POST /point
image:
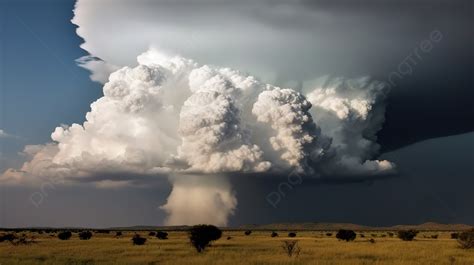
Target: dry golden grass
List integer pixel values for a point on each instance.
(258, 248)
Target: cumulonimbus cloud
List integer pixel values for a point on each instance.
(169, 116)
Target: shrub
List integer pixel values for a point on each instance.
(152, 233)
(274, 234)
(7, 237)
(202, 235)
(138, 240)
(347, 235)
(65, 235)
(291, 247)
(454, 235)
(328, 234)
(85, 235)
(434, 236)
(372, 241)
(292, 234)
(390, 234)
(102, 231)
(362, 235)
(466, 239)
(248, 232)
(162, 235)
(118, 234)
(23, 240)
(229, 238)
(407, 235)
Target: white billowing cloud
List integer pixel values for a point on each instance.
(169, 116)
(38, 165)
(213, 137)
(351, 112)
(297, 136)
(213, 140)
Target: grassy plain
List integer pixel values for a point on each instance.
(257, 248)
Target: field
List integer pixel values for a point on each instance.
(257, 248)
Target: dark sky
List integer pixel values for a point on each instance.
(41, 87)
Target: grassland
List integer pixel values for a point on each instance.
(257, 248)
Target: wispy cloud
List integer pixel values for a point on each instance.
(4, 134)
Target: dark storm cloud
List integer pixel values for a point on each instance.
(436, 188)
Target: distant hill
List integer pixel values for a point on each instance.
(434, 226)
(336, 226)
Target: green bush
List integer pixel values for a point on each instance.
(138, 240)
(65, 235)
(7, 237)
(162, 235)
(407, 235)
(85, 235)
(202, 235)
(347, 235)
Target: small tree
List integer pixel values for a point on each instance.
(292, 234)
(85, 235)
(65, 235)
(328, 234)
(274, 234)
(138, 240)
(152, 233)
(466, 239)
(347, 235)
(248, 232)
(162, 235)
(407, 235)
(291, 247)
(202, 235)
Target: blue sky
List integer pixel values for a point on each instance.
(41, 85)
